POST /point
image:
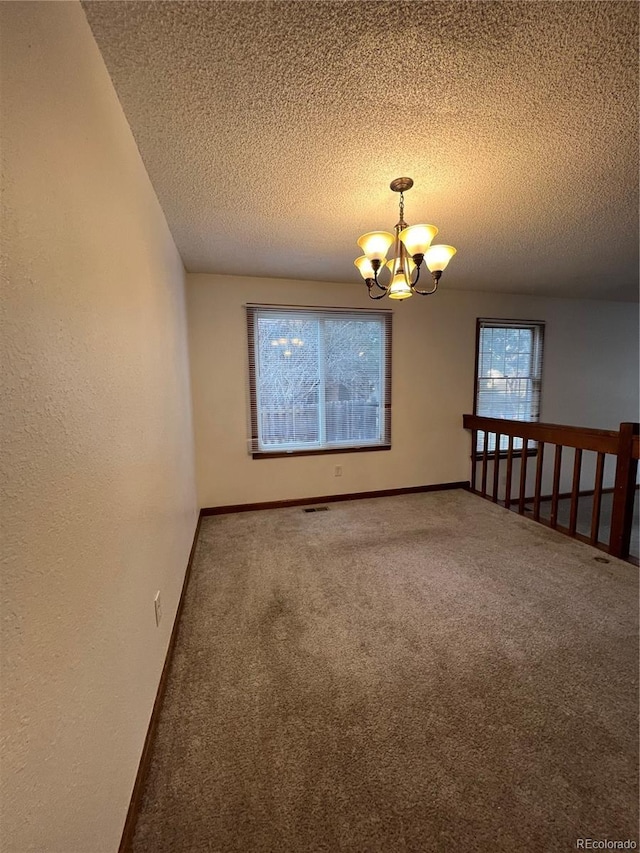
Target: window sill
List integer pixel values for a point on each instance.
(282, 454)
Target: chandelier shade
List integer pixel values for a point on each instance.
(375, 245)
(364, 265)
(401, 269)
(411, 246)
(417, 238)
(399, 287)
(437, 257)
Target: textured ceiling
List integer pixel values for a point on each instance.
(271, 130)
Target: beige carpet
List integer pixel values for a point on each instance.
(420, 673)
(585, 508)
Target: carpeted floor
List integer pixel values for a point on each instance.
(423, 673)
(585, 508)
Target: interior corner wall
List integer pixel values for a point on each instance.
(99, 506)
(590, 379)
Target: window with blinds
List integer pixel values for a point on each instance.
(319, 379)
(508, 374)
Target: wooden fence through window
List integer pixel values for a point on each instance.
(345, 420)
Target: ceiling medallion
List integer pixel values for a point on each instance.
(412, 246)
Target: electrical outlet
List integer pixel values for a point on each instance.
(337, 471)
(158, 606)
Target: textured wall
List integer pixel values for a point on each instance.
(99, 506)
(590, 379)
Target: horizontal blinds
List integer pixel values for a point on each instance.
(318, 378)
(509, 373)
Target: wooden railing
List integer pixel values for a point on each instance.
(532, 439)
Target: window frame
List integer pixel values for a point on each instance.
(384, 315)
(503, 323)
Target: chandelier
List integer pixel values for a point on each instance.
(411, 246)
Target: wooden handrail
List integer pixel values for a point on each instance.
(624, 444)
(600, 440)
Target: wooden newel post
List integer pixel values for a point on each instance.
(624, 492)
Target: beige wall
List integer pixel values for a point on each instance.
(590, 379)
(99, 506)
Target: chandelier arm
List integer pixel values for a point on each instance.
(381, 296)
(376, 267)
(370, 288)
(415, 281)
(426, 292)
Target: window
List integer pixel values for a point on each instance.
(320, 380)
(508, 374)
